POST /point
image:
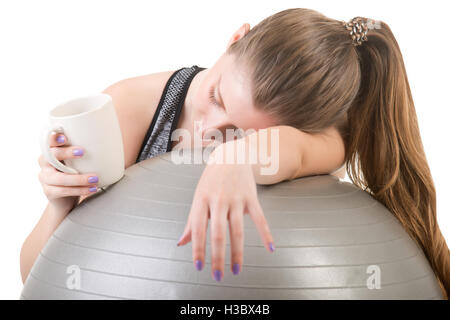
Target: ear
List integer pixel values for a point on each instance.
(242, 31)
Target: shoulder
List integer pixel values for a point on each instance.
(135, 100)
(140, 91)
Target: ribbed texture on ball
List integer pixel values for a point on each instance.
(326, 232)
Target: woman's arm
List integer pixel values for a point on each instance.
(135, 101)
(288, 153)
(57, 208)
(49, 221)
(227, 187)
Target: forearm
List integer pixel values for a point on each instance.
(49, 221)
(274, 153)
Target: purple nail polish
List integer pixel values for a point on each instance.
(198, 264)
(217, 275)
(271, 246)
(93, 179)
(60, 139)
(93, 189)
(77, 152)
(236, 268)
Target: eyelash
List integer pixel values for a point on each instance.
(212, 98)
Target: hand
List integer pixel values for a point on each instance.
(224, 192)
(63, 190)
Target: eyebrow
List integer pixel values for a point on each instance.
(218, 91)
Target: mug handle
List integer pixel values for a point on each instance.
(45, 149)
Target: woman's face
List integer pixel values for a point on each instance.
(223, 97)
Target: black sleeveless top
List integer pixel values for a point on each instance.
(164, 122)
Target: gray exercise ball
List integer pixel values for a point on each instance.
(332, 239)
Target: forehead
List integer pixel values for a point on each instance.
(236, 91)
(235, 82)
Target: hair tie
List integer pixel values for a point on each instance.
(358, 28)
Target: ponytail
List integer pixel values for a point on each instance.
(384, 151)
(305, 71)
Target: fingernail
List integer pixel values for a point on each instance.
(271, 246)
(93, 189)
(77, 152)
(236, 268)
(217, 275)
(93, 179)
(198, 264)
(60, 139)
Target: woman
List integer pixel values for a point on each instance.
(336, 92)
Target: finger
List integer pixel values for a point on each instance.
(236, 225)
(186, 235)
(257, 215)
(72, 152)
(43, 163)
(62, 153)
(218, 236)
(57, 139)
(197, 205)
(199, 227)
(54, 192)
(51, 176)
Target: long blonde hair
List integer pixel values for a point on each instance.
(306, 72)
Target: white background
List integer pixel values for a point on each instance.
(52, 51)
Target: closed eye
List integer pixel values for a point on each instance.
(212, 97)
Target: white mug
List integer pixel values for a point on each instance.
(91, 123)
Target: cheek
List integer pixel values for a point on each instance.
(203, 107)
(200, 103)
